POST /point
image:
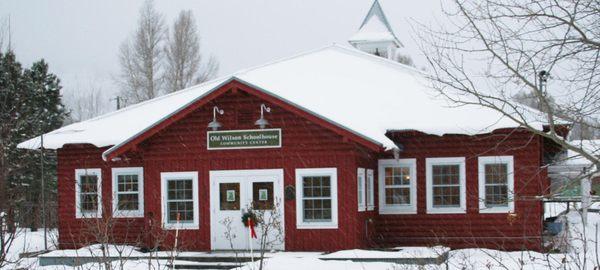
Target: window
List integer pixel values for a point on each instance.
(128, 192)
(180, 200)
(229, 196)
(262, 195)
(370, 190)
(496, 184)
(446, 189)
(316, 198)
(360, 184)
(88, 193)
(397, 186)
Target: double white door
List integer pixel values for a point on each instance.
(233, 193)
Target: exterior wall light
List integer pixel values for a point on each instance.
(215, 125)
(262, 122)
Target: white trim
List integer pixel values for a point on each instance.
(81, 172)
(370, 190)
(385, 209)
(242, 147)
(332, 173)
(361, 197)
(164, 178)
(139, 171)
(509, 161)
(462, 181)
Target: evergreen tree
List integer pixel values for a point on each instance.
(30, 105)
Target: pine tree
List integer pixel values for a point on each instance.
(30, 105)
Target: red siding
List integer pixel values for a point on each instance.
(181, 147)
(472, 229)
(309, 143)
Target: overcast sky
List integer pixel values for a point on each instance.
(80, 39)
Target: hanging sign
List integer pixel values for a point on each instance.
(243, 139)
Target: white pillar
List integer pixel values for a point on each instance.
(586, 200)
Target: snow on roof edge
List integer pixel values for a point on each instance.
(119, 145)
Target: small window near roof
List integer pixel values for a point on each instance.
(128, 192)
(397, 186)
(446, 187)
(316, 198)
(88, 193)
(496, 184)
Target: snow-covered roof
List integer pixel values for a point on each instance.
(360, 92)
(375, 27)
(590, 146)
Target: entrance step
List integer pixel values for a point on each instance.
(203, 265)
(207, 263)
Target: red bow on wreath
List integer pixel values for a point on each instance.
(251, 226)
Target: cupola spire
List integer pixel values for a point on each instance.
(375, 35)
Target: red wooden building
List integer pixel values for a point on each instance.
(352, 149)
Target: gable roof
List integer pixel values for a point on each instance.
(375, 27)
(361, 93)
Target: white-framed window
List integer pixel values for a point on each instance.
(88, 193)
(316, 198)
(128, 192)
(398, 186)
(179, 194)
(496, 184)
(370, 190)
(360, 187)
(446, 185)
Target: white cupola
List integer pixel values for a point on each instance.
(375, 35)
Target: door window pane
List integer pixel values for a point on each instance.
(229, 194)
(262, 195)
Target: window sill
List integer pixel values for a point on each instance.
(168, 226)
(370, 208)
(496, 210)
(316, 226)
(446, 211)
(397, 210)
(125, 214)
(87, 216)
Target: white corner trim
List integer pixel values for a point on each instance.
(462, 209)
(385, 209)
(164, 178)
(139, 171)
(370, 190)
(81, 172)
(332, 173)
(360, 188)
(509, 161)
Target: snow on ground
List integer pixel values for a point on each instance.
(581, 255)
(28, 241)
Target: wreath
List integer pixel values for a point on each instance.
(248, 215)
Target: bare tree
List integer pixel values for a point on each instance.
(85, 102)
(8, 234)
(141, 55)
(488, 51)
(4, 33)
(183, 65)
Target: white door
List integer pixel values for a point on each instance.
(232, 194)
